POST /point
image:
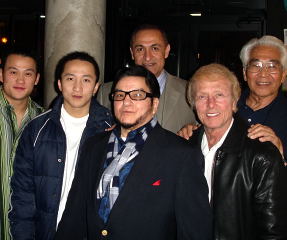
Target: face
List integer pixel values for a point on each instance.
(19, 78)
(214, 103)
(264, 84)
(150, 50)
(78, 84)
(133, 114)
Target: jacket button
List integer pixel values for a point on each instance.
(104, 232)
(59, 160)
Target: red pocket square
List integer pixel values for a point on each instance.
(156, 183)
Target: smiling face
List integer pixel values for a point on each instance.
(132, 114)
(19, 78)
(150, 50)
(264, 84)
(214, 103)
(78, 84)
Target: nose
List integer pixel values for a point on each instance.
(211, 102)
(264, 71)
(147, 55)
(77, 85)
(20, 78)
(127, 100)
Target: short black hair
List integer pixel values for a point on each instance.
(21, 52)
(83, 56)
(148, 27)
(138, 71)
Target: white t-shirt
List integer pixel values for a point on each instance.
(209, 155)
(73, 128)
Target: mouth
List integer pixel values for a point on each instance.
(263, 83)
(148, 64)
(212, 114)
(77, 96)
(19, 88)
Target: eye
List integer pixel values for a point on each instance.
(155, 49)
(219, 95)
(201, 97)
(87, 80)
(139, 49)
(12, 72)
(28, 74)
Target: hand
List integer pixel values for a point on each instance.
(264, 134)
(187, 130)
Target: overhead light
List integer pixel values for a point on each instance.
(42, 16)
(195, 14)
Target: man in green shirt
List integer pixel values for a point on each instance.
(19, 76)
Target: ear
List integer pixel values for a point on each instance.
(37, 79)
(60, 85)
(284, 74)
(96, 88)
(244, 74)
(132, 54)
(155, 104)
(167, 50)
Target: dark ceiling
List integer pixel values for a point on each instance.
(22, 6)
(140, 7)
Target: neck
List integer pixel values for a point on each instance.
(20, 107)
(76, 112)
(214, 135)
(257, 102)
(124, 132)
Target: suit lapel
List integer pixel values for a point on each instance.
(168, 100)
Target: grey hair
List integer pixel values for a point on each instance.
(266, 40)
(210, 71)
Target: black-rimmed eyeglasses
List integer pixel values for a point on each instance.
(136, 95)
(257, 66)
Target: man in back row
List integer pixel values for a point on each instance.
(48, 149)
(19, 75)
(149, 48)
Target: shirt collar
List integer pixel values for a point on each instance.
(162, 80)
(204, 143)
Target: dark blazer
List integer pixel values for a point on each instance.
(173, 110)
(248, 195)
(177, 208)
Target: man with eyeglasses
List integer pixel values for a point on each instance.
(263, 105)
(138, 181)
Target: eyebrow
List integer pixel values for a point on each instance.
(15, 68)
(271, 60)
(71, 74)
(153, 45)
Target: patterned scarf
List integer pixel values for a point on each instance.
(117, 157)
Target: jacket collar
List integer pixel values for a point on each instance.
(97, 113)
(233, 140)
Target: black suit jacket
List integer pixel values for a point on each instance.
(178, 208)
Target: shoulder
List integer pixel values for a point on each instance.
(167, 141)
(176, 81)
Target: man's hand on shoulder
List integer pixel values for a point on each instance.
(187, 130)
(264, 134)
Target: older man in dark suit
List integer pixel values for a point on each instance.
(138, 181)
